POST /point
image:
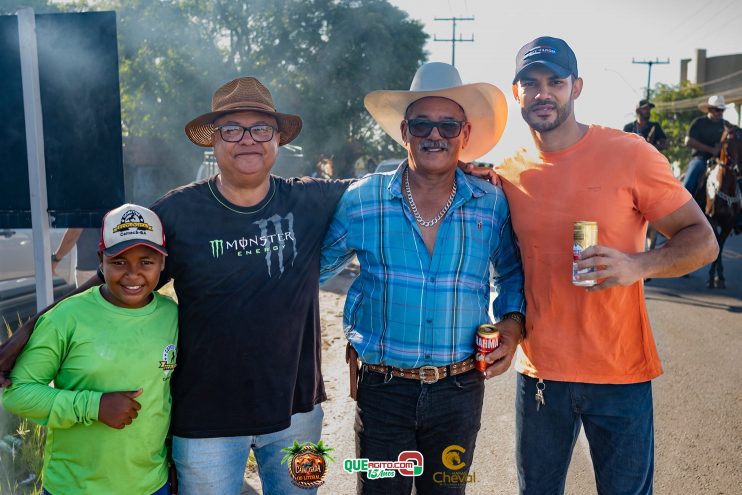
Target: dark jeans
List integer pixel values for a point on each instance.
(619, 427)
(165, 490)
(397, 414)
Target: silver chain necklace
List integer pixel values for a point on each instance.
(413, 206)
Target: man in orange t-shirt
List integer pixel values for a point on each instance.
(589, 355)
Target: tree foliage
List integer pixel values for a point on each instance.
(318, 57)
(676, 123)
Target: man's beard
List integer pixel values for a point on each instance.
(562, 114)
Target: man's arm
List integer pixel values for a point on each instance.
(508, 279)
(698, 145)
(691, 244)
(11, 348)
(335, 252)
(69, 239)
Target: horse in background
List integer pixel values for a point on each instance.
(723, 197)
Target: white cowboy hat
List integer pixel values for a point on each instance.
(715, 101)
(483, 103)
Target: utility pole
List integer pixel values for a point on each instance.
(453, 39)
(650, 63)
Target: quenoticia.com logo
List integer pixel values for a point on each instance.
(408, 463)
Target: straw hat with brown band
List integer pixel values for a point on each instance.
(239, 95)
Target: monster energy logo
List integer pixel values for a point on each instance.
(276, 236)
(217, 248)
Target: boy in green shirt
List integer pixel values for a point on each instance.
(110, 351)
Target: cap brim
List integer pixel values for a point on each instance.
(200, 129)
(560, 71)
(483, 103)
(126, 245)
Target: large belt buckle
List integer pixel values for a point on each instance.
(424, 372)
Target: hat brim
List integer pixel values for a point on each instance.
(648, 105)
(201, 129)
(704, 107)
(560, 71)
(126, 245)
(484, 105)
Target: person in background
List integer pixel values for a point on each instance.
(704, 138)
(651, 131)
(86, 241)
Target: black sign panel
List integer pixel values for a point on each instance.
(81, 112)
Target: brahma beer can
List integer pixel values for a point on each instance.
(585, 235)
(488, 339)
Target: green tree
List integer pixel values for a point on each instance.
(675, 123)
(320, 58)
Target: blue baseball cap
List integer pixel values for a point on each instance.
(552, 53)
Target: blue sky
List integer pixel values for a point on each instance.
(605, 35)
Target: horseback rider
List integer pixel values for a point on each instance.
(704, 137)
(651, 131)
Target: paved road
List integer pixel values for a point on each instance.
(698, 401)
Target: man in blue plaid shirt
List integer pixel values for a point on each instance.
(427, 236)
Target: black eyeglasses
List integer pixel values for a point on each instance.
(717, 110)
(423, 127)
(233, 133)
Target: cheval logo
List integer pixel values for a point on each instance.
(275, 241)
(538, 50)
(451, 457)
(132, 219)
(307, 463)
(168, 360)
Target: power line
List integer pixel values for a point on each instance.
(453, 39)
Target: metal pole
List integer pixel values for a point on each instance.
(453, 44)
(649, 79)
(36, 161)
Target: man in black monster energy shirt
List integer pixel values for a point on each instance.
(244, 255)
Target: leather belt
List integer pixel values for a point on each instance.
(425, 374)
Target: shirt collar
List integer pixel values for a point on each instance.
(467, 186)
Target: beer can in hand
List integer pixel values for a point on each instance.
(488, 339)
(585, 234)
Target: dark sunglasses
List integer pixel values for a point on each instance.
(423, 127)
(717, 110)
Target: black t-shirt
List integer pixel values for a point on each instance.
(247, 281)
(706, 131)
(657, 134)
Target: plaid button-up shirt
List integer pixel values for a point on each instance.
(408, 308)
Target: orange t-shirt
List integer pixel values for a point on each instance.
(622, 182)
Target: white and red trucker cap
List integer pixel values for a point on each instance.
(128, 226)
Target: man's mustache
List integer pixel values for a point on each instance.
(537, 106)
(433, 144)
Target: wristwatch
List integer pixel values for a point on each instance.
(520, 318)
(55, 259)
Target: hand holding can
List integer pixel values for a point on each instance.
(585, 234)
(487, 340)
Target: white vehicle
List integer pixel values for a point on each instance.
(17, 282)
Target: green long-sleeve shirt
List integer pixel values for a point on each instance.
(88, 347)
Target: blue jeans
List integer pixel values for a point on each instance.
(215, 466)
(696, 167)
(396, 414)
(165, 490)
(619, 427)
